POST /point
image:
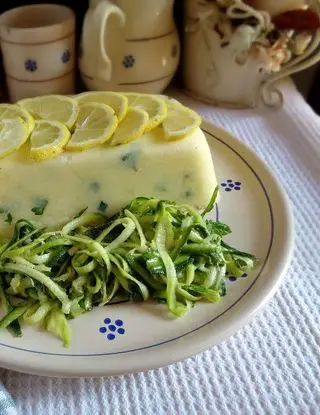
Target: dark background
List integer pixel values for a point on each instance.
(80, 7)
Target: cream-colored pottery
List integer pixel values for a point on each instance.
(217, 67)
(38, 47)
(129, 45)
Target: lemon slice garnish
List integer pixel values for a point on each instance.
(118, 102)
(180, 121)
(48, 139)
(155, 107)
(131, 127)
(14, 132)
(14, 111)
(52, 108)
(94, 126)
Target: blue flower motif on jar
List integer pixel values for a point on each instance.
(128, 61)
(174, 51)
(66, 56)
(30, 65)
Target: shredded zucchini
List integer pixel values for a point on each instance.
(152, 249)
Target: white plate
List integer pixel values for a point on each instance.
(254, 205)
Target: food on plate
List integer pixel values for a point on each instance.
(48, 139)
(53, 108)
(94, 126)
(9, 111)
(153, 105)
(179, 170)
(123, 159)
(151, 249)
(118, 102)
(102, 158)
(14, 133)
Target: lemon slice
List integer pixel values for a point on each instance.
(155, 107)
(131, 127)
(95, 125)
(118, 102)
(180, 121)
(14, 111)
(14, 132)
(53, 108)
(48, 139)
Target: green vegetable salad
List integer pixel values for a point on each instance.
(152, 249)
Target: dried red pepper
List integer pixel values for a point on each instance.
(297, 20)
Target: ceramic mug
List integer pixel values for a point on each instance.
(219, 68)
(38, 48)
(129, 45)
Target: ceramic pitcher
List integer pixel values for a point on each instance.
(129, 45)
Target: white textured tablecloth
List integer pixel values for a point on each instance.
(271, 366)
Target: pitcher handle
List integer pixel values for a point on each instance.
(94, 30)
(272, 96)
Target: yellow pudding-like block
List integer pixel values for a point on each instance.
(106, 178)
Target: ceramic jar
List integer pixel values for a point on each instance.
(38, 48)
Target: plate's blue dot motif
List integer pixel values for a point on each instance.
(30, 65)
(112, 329)
(66, 56)
(229, 185)
(128, 61)
(232, 278)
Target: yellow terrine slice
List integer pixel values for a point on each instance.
(106, 178)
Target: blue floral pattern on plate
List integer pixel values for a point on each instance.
(232, 278)
(111, 329)
(229, 185)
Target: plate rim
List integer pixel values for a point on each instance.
(225, 137)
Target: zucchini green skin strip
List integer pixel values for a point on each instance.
(198, 249)
(14, 327)
(171, 276)
(82, 220)
(181, 242)
(108, 298)
(13, 315)
(143, 289)
(143, 239)
(212, 202)
(129, 227)
(190, 274)
(54, 288)
(143, 273)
